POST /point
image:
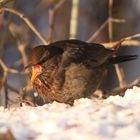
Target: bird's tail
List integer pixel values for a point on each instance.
(119, 59)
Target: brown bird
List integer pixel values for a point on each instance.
(70, 69)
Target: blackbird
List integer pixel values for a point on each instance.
(70, 69)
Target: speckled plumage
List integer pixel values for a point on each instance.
(71, 69)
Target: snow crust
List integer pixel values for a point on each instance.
(116, 118)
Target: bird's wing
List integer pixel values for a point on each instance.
(72, 51)
(76, 51)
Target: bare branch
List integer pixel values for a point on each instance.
(130, 85)
(27, 21)
(6, 24)
(94, 35)
(52, 13)
(116, 20)
(119, 71)
(74, 19)
(9, 70)
(17, 32)
(110, 25)
(120, 75)
(132, 36)
(92, 38)
(5, 94)
(110, 45)
(5, 2)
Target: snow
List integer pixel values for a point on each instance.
(116, 118)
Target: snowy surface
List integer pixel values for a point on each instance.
(116, 118)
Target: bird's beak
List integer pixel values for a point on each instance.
(36, 70)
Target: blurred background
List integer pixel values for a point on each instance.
(52, 18)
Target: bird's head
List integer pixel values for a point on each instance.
(39, 56)
(35, 59)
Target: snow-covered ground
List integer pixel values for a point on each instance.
(116, 118)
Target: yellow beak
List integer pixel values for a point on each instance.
(36, 70)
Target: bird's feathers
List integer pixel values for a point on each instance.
(71, 68)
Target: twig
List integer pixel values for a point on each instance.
(5, 94)
(120, 75)
(27, 21)
(74, 19)
(110, 32)
(52, 13)
(118, 44)
(94, 35)
(110, 45)
(2, 42)
(17, 33)
(21, 48)
(4, 35)
(4, 2)
(92, 38)
(9, 70)
(7, 23)
(116, 20)
(122, 89)
(132, 36)
(110, 25)
(124, 41)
